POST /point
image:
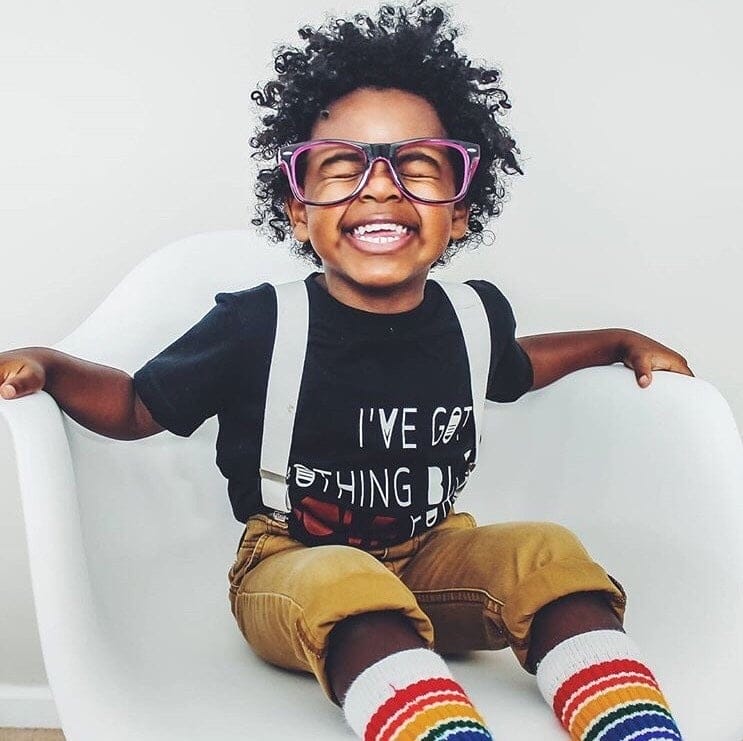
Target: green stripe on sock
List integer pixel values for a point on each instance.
(435, 733)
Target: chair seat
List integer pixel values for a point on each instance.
(185, 667)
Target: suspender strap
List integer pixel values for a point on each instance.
(284, 379)
(475, 326)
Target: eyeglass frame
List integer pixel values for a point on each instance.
(287, 155)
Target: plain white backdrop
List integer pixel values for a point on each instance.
(124, 127)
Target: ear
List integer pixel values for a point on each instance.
(460, 219)
(297, 213)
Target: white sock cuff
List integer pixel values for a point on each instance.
(579, 652)
(378, 682)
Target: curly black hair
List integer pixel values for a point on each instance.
(408, 48)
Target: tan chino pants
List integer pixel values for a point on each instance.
(463, 587)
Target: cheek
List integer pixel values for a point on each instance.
(438, 220)
(324, 221)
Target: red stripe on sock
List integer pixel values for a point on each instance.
(416, 707)
(595, 672)
(407, 694)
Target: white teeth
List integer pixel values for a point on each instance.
(360, 231)
(378, 240)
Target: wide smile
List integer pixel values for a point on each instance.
(379, 238)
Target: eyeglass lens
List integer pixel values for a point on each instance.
(331, 171)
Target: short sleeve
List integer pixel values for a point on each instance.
(511, 374)
(189, 380)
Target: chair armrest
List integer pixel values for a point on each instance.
(78, 665)
(47, 485)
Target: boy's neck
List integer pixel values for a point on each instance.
(376, 301)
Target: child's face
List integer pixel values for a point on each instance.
(375, 116)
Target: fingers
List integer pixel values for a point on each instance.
(679, 366)
(644, 373)
(21, 383)
(644, 370)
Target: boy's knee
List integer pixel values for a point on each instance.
(537, 545)
(351, 585)
(554, 542)
(347, 576)
(557, 565)
(327, 565)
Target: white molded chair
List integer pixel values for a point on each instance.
(130, 542)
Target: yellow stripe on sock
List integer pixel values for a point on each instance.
(430, 717)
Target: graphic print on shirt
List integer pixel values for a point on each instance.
(431, 457)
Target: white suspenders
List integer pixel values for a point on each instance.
(284, 379)
(287, 365)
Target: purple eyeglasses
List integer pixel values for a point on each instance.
(324, 172)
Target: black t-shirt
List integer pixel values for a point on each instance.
(384, 432)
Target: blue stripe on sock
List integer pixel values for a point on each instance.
(467, 734)
(655, 735)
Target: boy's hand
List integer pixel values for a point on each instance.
(98, 397)
(21, 374)
(643, 355)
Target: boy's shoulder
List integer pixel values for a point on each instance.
(248, 300)
(250, 312)
(497, 306)
(489, 292)
(246, 295)
(258, 296)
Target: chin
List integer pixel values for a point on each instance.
(386, 273)
(383, 280)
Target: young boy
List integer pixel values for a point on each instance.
(354, 565)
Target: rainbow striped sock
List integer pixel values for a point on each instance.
(601, 690)
(411, 695)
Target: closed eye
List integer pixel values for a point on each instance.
(419, 165)
(342, 164)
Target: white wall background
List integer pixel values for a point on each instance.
(123, 126)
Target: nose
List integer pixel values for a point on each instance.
(380, 185)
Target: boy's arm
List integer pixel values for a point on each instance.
(96, 396)
(556, 354)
